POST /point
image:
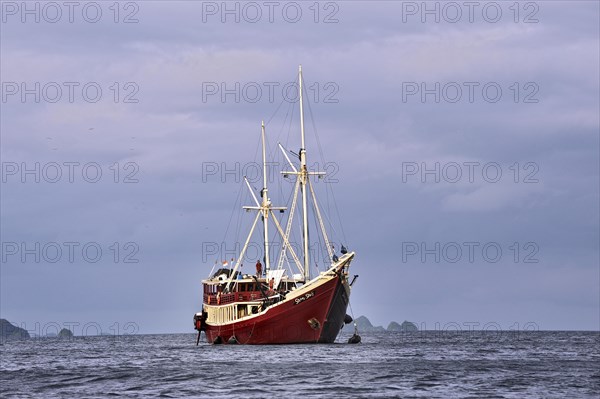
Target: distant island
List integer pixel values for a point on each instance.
(363, 324)
(65, 334)
(9, 332)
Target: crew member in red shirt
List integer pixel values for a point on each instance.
(258, 269)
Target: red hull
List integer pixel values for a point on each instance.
(318, 318)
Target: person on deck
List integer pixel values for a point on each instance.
(258, 269)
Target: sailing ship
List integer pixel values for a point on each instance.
(280, 307)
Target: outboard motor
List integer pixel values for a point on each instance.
(199, 325)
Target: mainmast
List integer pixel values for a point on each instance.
(265, 200)
(303, 182)
(265, 208)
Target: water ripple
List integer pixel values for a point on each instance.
(416, 365)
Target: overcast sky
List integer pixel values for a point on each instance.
(463, 141)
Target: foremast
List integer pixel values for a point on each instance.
(265, 209)
(266, 203)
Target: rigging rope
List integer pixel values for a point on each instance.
(317, 139)
(353, 319)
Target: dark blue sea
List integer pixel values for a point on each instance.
(428, 364)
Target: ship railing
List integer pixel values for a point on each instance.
(211, 299)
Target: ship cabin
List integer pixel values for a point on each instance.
(246, 289)
(245, 296)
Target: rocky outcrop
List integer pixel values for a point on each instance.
(393, 326)
(10, 332)
(65, 333)
(365, 325)
(406, 326)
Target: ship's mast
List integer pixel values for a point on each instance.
(265, 200)
(265, 208)
(303, 182)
